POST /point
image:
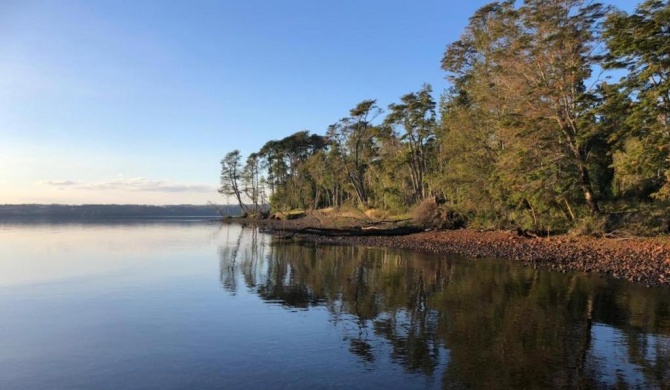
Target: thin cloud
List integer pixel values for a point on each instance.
(137, 184)
(58, 183)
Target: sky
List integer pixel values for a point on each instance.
(136, 102)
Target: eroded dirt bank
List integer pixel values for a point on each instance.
(640, 260)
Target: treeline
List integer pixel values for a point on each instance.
(531, 132)
(97, 211)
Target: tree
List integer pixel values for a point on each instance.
(415, 114)
(640, 43)
(230, 178)
(352, 139)
(283, 160)
(527, 69)
(252, 183)
(469, 149)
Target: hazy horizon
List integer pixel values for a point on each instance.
(88, 212)
(113, 204)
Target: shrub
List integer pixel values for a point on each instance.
(590, 226)
(430, 214)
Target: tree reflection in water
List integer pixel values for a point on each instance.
(495, 324)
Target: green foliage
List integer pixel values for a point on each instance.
(284, 161)
(629, 216)
(590, 226)
(640, 43)
(632, 165)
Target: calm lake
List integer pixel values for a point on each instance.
(170, 305)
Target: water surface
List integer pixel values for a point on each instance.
(198, 305)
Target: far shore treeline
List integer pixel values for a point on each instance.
(94, 212)
(556, 117)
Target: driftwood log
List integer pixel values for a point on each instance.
(351, 232)
(525, 233)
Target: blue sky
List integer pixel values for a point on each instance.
(125, 101)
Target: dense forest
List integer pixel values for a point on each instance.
(556, 117)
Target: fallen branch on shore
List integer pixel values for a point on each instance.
(351, 232)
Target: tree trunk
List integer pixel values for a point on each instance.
(587, 189)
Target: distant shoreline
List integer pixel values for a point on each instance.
(113, 211)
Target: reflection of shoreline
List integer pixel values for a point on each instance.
(639, 260)
(497, 324)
